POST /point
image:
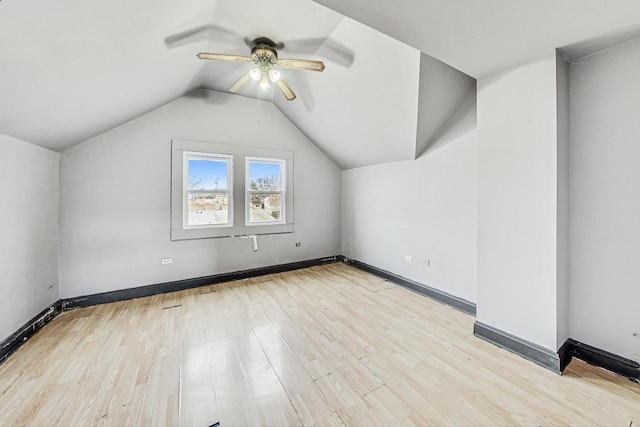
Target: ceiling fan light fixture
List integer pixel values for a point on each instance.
(264, 82)
(274, 75)
(256, 74)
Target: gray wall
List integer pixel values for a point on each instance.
(424, 208)
(605, 200)
(29, 230)
(441, 91)
(518, 202)
(115, 198)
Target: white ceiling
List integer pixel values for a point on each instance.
(480, 38)
(72, 69)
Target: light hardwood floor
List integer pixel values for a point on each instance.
(328, 345)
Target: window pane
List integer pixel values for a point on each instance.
(265, 207)
(205, 174)
(205, 209)
(265, 176)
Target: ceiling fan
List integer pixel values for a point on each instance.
(265, 56)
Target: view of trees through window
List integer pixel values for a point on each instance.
(265, 191)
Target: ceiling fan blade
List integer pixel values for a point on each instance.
(239, 84)
(185, 37)
(285, 90)
(301, 64)
(304, 46)
(224, 57)
(324, 47)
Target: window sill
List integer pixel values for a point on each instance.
(209, 233)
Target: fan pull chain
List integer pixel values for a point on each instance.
(272, 102)
(259, 99)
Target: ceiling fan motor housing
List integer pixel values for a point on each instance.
(264, 54)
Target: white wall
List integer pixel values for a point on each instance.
(115, 198)
(425, 208)
(29, 230)
(605, 200)
(517, 202)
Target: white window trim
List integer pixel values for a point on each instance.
(188, 155)
(249, 192)
(239, 154)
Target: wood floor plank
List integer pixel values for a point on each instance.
(307, 399)
(332, 420)
(198, 403)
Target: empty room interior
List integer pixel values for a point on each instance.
(310, 213)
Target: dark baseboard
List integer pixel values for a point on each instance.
(603, 359)
(179, 285)
(530, 351)
(443, 297)
(14, 341)
(564, 354)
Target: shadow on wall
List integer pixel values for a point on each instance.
(461, 122)
(208, 96)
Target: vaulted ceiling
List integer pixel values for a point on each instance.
(484, 37)
(72, 69)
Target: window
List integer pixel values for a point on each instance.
(265, 191)
(226, 190)
(208, 199)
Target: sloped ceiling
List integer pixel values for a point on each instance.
(480, 38)
(72, 69)
(443, 91)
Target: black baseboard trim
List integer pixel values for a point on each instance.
(179, 285)
(435, 294)
(26, 331)
(603, 359)
(564, 354)
(528, 350)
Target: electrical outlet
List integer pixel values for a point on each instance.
(166, 261)
(407, 258)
